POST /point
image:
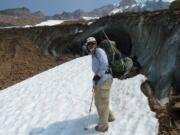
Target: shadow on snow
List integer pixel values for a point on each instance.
(69, 127)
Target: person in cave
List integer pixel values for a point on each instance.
(84, 50)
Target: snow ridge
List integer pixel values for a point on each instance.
(56, 102)
(45, 23)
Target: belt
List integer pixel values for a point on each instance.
(108, 72)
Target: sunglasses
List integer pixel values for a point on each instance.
(91, 43)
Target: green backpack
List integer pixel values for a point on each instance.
(119, 65)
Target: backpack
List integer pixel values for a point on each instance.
(119, 65)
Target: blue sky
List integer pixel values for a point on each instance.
(50, 7)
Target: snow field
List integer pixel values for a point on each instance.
(56, 102)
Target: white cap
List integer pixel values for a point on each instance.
(90, 39)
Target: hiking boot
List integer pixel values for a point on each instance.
(101, 130)
(111, 119)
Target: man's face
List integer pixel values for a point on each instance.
(91, 46)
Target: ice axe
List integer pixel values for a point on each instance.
(86, 128)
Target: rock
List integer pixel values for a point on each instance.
(164, 101)
(175, 5)
(174, 99)
(176, 106)
(165, 127)
(173, 132)
(173, 108)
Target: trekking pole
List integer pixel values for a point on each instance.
(91, 101)
(105, 35)
(113, 48)
(86, 128)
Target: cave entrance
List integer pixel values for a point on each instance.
(120, 36)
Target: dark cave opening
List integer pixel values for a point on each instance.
(122, 39)
(117, 34)
(120, 36)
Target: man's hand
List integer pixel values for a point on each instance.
(96, 78)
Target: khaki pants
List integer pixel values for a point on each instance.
(102, 93)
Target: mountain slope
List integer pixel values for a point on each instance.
(21, 12)
(56, 102)
(20, 16)
(78, 14)
(139, 6)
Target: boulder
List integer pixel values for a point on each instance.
(175, 5)
(176, 106)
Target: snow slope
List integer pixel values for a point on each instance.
(45, 23)
(56, 102)
(49, 23)
(139, 6)
(89, 18)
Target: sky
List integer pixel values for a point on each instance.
(50, 7)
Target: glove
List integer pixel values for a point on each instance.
(96, 78)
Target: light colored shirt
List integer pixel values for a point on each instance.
(100, 65)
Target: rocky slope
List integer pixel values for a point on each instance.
(78, 14)
(6, 21)
(139, 6)
(21, 12)
(167, 122)
(20, 58)
(122, 6)
(20, 16)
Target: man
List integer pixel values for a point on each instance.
(84, 50)
(102, 83)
